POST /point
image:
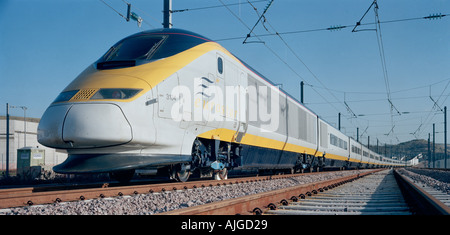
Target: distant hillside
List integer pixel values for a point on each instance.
(412, 148)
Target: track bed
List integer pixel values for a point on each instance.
(375, 194)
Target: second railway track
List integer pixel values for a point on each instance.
(378, 192)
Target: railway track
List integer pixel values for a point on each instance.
(262, 202)
(423, 198)
(375, 194)
(18, 197)
(382, 193)
(362, 192)
(371, 193)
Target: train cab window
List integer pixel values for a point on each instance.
(135, 48)
(148, 46)
(220, 65)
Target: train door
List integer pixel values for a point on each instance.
(212, 94)
(235, 99)
(241, 112)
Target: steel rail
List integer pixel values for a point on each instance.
(422, 201)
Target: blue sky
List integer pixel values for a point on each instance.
(45, 44)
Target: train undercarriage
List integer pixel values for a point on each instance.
(213, 158)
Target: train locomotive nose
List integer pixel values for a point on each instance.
(84, 126)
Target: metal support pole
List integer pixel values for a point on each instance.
(434, 146)
(24, 126)
(24, 122)
(7, 140)
(385, 149)
(301, 91)
(339, 121)
(167, 14)
(445, 136)
(429, 152)
(357, 134)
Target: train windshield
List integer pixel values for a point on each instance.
(148, 46)
(135, 48)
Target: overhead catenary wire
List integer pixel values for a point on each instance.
(381, 51)
(335, 28)
(353, 115)
(346, 106)
(259, 19)
(376, 100)
(365, 13)
(273, 52)
(211, 7)
(388, 93)
(113, 9)
(332, 28)
(384, 92)
(147, 14)
(428, 119)
(290, 67)
(382, 58)
(124, 17)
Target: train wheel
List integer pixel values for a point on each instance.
(221, 175)
(182, 172)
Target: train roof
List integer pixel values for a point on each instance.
(147, 46)
(177, 32)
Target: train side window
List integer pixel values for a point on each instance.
(220, 65)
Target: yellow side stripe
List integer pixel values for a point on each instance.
(227, 135)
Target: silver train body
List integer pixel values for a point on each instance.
(178, 102)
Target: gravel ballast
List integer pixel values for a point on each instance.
(437, 179)
(153, 203)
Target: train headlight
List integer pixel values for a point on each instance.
(65, 96)
(97, 94)
(115, 93)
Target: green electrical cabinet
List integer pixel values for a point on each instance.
(30, 162)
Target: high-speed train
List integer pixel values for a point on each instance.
(178, 102)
